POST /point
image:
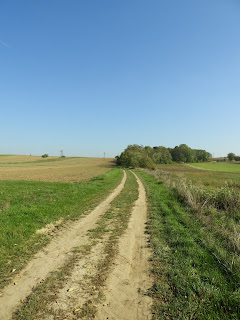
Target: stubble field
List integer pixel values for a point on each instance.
(54, 169)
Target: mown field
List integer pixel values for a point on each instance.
(55, 169)
(194, 225)
(219, 166)
(201, 177)
(27, 206)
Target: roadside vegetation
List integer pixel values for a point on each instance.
(27, 206)
(196, 268)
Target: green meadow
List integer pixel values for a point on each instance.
(218, 166)
(199, 176)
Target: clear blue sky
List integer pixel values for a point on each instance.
(94, 76)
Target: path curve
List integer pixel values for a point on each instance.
(51, 257)
(126, 287)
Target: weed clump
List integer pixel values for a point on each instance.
(217, 209)
(223, 198)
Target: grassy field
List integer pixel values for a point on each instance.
(205, 178)
(28, 206)
(196, 249)
(219, 166)
(52, 168)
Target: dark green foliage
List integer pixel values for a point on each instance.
(147, 157)
(231, 156)
(202, 155)
(45, 155)
(135, 156)
(161, 155)
(183, 153)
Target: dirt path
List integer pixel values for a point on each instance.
(126, 286)
(198, 168)
(122, 296)
(51, 257)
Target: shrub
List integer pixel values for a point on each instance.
(45, 155)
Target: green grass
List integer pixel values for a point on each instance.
(206, 178)
(194, 275)
(27, 206)
(218, 166)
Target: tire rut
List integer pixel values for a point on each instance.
(127, 285)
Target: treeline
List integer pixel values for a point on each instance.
(231, 156)
(147, 157)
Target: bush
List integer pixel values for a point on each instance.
(45, 155)
(135, 156)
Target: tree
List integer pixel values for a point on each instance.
(147, 157)
(202, 155)
(183, 153)
(178, 155)
(135, 156)
(161, 155)
(231, 156)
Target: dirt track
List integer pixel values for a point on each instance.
(128, 280)
(126, 287)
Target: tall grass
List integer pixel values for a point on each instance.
(218, 209)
